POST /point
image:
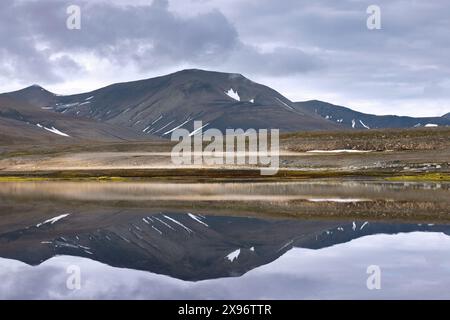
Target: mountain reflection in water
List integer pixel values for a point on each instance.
(409, 268)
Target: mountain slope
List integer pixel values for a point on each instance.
(33, 95)
(349, 118)
(159, 105)
(21, 122)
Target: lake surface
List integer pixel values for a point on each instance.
(62, 240)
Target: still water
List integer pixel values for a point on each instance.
(221, 241)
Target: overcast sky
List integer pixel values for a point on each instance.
(316, 49)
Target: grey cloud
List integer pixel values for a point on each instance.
(277, 62)
(400, 61)
(148, 36)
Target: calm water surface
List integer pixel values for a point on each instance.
(131, 241)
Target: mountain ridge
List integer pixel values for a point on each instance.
(21, 122)
(352, 119)
(157, 106)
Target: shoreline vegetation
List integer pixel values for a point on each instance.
(216, 175)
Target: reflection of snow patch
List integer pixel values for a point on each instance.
(156, 229)
(341, 200)
(178, 223)
(53, 220)
(338, 151)
(286, 245)
(197, 219)
(234, 255)
(167, 225)
(431, 125)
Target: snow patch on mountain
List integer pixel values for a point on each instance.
(53, 130)
(285, 104)
(162, 128)
(233, 94)
(177, 127)
(364, 125)
(193, 133)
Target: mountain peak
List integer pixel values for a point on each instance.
(36, 87)
(202, 72)
(34, 95)
(447, 115)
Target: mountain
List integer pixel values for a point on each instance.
(446, 116)
(349, 118)
(159, 105)
(21, 122)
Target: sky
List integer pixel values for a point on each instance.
(305, 49)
